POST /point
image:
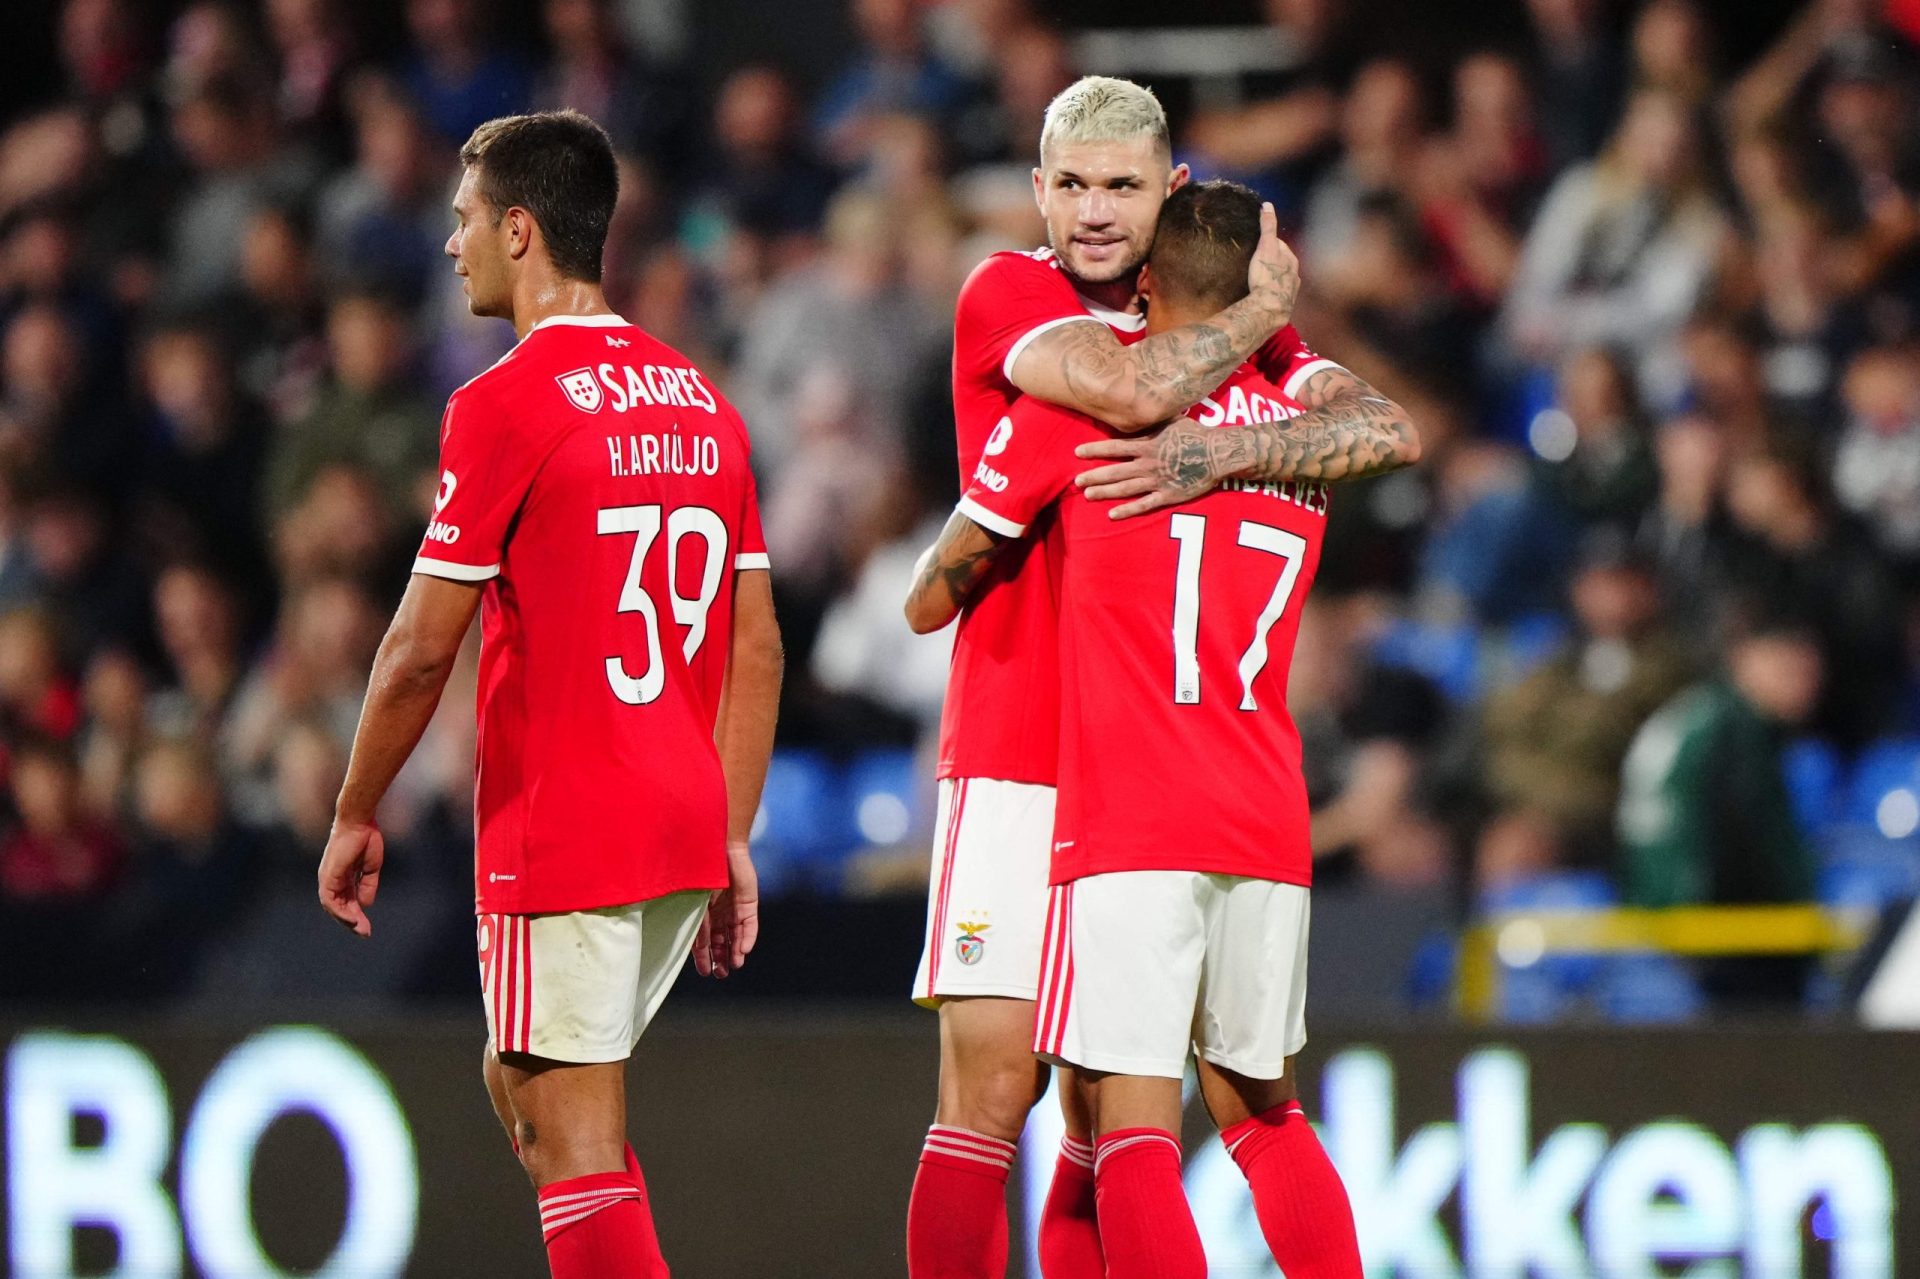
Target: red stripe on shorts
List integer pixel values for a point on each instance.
(936, 943)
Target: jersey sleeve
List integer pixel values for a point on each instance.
(752, 552)
(1008, 301)
(485, 472)
(1028, 463)
(1287, 361)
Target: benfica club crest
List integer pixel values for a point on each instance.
(970, 945)
(582, 389)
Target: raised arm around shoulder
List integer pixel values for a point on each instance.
(1132, 388)
(1349, 431)
(948, 572)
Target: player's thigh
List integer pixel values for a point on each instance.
(989, 1078)
(987, 891)
(570, 986)
(1231, 1097)
(1252, 1013)
(497, 1088)
(1133, 1101)
(1121, 972)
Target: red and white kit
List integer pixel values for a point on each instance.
(1000, 727)
(1181, 855)
(599, 486)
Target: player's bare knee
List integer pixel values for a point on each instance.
(994, 1097)
(1231, 1096)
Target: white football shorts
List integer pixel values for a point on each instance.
(1141, 967)
(582, 985)
(987, 896)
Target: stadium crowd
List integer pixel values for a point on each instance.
(1658, 318)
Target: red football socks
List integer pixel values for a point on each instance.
(957, 1218)
(1297, 1194)
(1146, 1227)
(1069, 1229)
(599, 1227)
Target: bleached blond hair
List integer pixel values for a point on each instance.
(1100, 108)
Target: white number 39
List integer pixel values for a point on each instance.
(690, 611)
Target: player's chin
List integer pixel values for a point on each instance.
(1104, 269)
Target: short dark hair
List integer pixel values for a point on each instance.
(1205, 242)
(558, 166)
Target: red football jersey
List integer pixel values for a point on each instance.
(599, 485)
(1001, 718)
(1177, 630)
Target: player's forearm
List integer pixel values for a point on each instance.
(1132, 388)
(749, 711)
(948, 572)
(1355, 434)
(401, 696)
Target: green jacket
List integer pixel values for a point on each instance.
(1704, 812)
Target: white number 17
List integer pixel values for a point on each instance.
(1191, 532)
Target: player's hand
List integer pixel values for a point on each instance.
(732, 922)
(1273, 277)
(350, 873)
(1170, 466)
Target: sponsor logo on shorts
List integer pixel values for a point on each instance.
(969, 946)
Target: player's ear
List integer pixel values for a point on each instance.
(1040, 191)
(519, 232)
(1180, 176)
(1144, 285)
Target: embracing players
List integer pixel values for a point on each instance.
(1061, 325)
(1181, 855)
(596, 508)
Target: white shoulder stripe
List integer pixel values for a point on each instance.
(1013, 352)
(455, 572)
(752, 559)
(988, 520)
(1306, 371)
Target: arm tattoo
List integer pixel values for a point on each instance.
(1349, 431)
(1159, 377)
(952, 570)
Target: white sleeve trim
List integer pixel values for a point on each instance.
(455, 572)
(988, 520)
(1306, 371)
(1013, 352)
(751, 559)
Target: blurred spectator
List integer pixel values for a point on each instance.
(1479, 183)
(1581, 73)
(894, 72)
(231, 143)
(1877, 470)
(1793, 555)
(1595, 459)
(460, 77)
(308, 767)
(643, 104)
(1381, 127)
(829, 319)
(1029, 65)
(1554, 741)
(275, 331)
(1704, 812)
(59, 418)
(383, 222)
(115, 698)
(57, 851)
(1622, 248)
(1365, 731)
(85, 574)
(1388, 281)
(370, 415)
(317, 51)
(37, 698)
(199, 627)
(203, 453)
(1685, 532)
(1492, 552)
(761, 178)
(1672, 48)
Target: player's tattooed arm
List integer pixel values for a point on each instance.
(1348, 432)
(1132, 388)
(949, 571)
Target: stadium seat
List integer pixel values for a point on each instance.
(1813, 772)
(884, 794)
(1531, 640)
(1649, 990)
(1883, 772)
(1862, 869)
(1548, 988)
(1447, 654)
(803, 822)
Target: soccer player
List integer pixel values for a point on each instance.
(596, 508)
(1060, 324)
(1181, 855)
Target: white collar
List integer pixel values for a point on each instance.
(1125, 321)
(601, 321)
